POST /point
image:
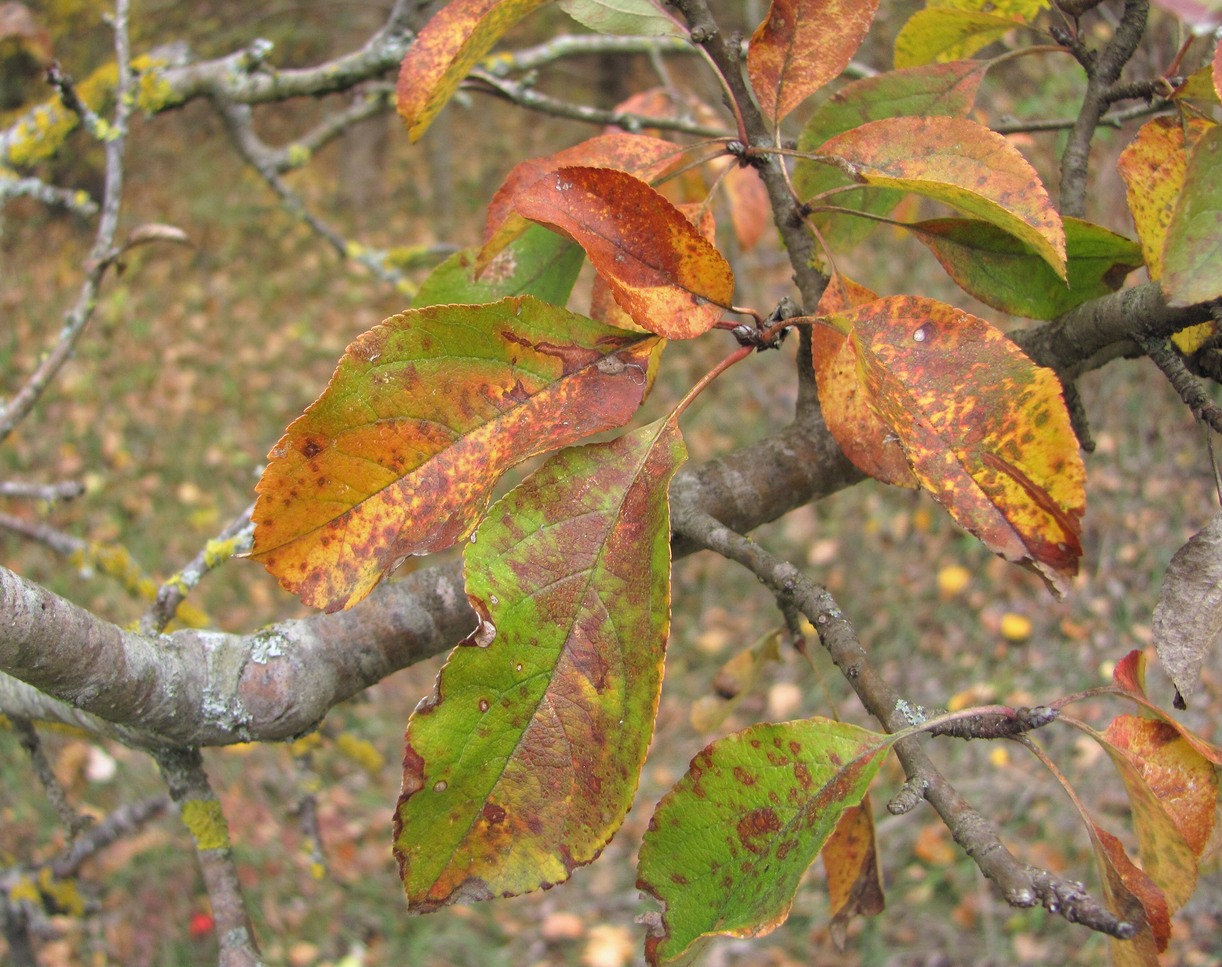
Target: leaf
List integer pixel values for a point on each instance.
(936, 89)
(800, 46)
(1217, 71)
(734, 680)
(1129, 679)
(748, 204)
(854, 880)
(985, 430)
(446, 49)
(728, 845)
(642, 18)
(424, 413)
(524, 762)
(1192, 254)
(1198, 86)
(538, 263)
(1132, 895)
(945, 34)
(1153, 166)
(962, 164)
(1005, 273)
(863, 437)
(1188, 617)
(638, 154)
(660, 268)
(1173, 791)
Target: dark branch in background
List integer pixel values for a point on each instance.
(1102, 71)
(1189, 388)
(73, 822)
(1020, 884)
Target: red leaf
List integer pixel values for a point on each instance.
(660, 268)
(801, 46)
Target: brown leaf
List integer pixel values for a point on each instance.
(854, 879)
(1188, 617)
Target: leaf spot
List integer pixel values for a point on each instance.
(920, 335)
(483, 705)
(440, 785)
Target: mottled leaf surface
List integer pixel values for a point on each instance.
(1004, 272)
(1173, 792)
(933, 90)
(538, 263)
(1129, 679)
(638, 154)
(424, 413)
(1192, 256)
(642, 18)
(524, 762)
(446, 49)
(940, 33)
(661, 270)
(1188, 617)
(1134, 896)
(728, 845)
(854, 879)
(861, 434)
(801, 45)
(1153, 166)
(962, 164)
(985, 430)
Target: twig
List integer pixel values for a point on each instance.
(102, 252)
(69, 818)
(52, 492)
(1116, 119)
(201, 813)
(235, 539)
(1021, 885)
(1102, 71)
(1189, 388)
(237, 118)
(77, 202)
(527, 97)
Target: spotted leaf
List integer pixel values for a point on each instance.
(985, 430)
(801, 45)
(728, 845)
(424, 413)
(524, 762)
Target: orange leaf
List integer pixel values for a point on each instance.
(423, 415)
(802, 45)
(637, 154)
(661, 270)
(985, 430)
(1132, 895)
(854, 880)
(450, 44)
(863, 437)
(959, 163)
(749, 206)
(1153, 167)
(1174, 793)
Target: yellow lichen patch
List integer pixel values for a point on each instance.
(206, 822)
(63, 894)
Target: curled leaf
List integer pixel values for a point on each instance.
(962, 164)
(659, 266)
(1192, 255)
(1188, 617)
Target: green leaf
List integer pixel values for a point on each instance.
(962, 164)
(944, 34)
(727, 847)
(424, 413)
(801, 46)
(1192, 256)
(538, 263)
(936, 89)
(642, 18)
(1007, 274)
(524, 762)
(442, 54)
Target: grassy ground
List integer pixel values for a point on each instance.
(197, 359)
